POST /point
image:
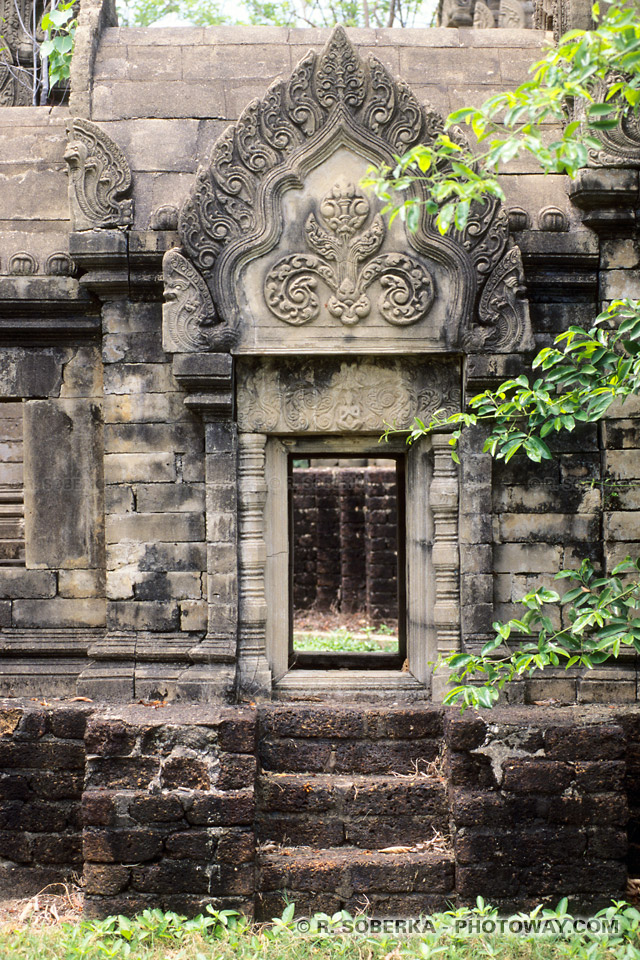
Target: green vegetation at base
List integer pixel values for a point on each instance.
(223, 935)
(369, 640)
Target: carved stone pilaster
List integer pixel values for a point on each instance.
(254, 675)
(443, 500)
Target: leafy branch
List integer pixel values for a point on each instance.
(60, 24)
(603, 615)
(447, 178)
(581, 380)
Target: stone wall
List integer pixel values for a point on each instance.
(168, 810)
(162, 805)
(345, 540)
(42, 767)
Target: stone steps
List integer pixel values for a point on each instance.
(328, 880)
(326, 810)
(336, 786)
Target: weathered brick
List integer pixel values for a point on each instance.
(191, 845)
(185, 772)
(109, 738)
(535, 775)
(597, 742)
(121, 846)
(235, 846)
(156, 808)
(105, 880)
(225, 809)
(236, 771)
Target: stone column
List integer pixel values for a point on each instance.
(209, 378)
(443, 500)
(254, 675)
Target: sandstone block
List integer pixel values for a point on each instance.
(17, 582)
(77, 584)
(59, 612)
(153, 527)
(193, 615)
(134, 467)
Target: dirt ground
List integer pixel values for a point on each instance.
(57, 903)
(328, 621)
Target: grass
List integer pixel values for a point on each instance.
(225, 935)
(341, 640)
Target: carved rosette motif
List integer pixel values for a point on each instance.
(340, 396)
(345, 260)
(189, 319)
(234, 212)
(99, 178)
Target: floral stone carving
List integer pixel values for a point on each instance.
(99, 178)
(345, 260)
(338, 396)
(429, 285)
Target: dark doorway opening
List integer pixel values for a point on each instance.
(347, 563)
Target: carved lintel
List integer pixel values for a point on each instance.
(341, 396)
(189, 319)
(99, 178)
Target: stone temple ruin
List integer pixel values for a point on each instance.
(199, 303)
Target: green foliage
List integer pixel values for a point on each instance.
(142, 13)
(584, 372)
(342, 641)
(602, 616)
(224, 935)
(60, 25)
(288, 13)
(453, 178)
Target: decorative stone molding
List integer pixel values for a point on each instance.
(99, 178)
(552, 220)
(443, 502)
(60, 265)
(16, 55)
(562, 15)
(456, 13)
(254, 675)
(341, 396)
(23, 265)
(483, 18)
(503, 311)
(164, 218)
(518, 219)
(515, 14)
(189, 320)
(234, 217)
(621, 144)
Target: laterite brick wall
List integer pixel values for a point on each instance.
(345, 523)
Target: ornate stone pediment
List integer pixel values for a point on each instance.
(99, 178)
(297, 259)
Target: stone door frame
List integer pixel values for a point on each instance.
(432, 567)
